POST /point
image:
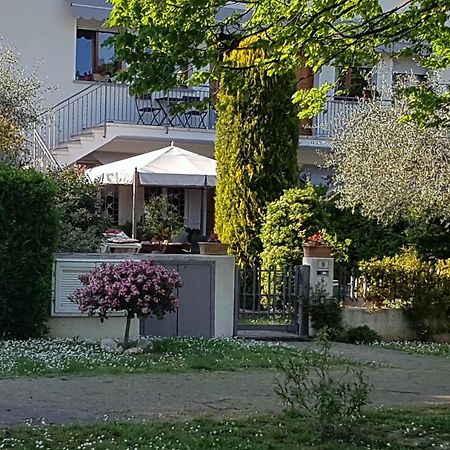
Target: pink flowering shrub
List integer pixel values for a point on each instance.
(141, 288)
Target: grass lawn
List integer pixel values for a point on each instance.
(389, 429)
(415, 347)
(41, 357)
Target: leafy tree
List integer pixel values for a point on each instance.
(80, 207)
(141, 288)
(21, 96)
(389, 168)
(366, 237)
(256, 152)
(162, 37)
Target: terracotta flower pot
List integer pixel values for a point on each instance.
(317, 251)
(213, 248)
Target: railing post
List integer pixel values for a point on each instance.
(105, 126)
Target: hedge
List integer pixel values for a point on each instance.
(28, 234)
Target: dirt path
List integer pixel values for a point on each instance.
(408, 380)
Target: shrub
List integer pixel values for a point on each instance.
(332, 400)
(80, 206)
(297, 214)
(28, 230)
(256, 152)
(366, 237)
(405, 281)
(140, 288)
(360, 335)
(325, 313)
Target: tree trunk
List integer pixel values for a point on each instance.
(127, 331)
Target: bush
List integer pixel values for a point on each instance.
(28, 230)
(359, 335)
(333, 401)
(405, 281)
(140, 288)
(326, 314)
(80, 206)
(297, 214)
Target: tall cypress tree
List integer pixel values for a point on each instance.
(256, 151)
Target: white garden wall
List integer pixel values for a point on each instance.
(390, 324)
(206, 298)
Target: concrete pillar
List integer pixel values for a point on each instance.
(320, 274)
(385, 77)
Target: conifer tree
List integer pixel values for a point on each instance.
(256, 151)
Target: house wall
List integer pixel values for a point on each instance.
(44, 33)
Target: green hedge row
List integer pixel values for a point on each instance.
(405, 281)
(28, 235)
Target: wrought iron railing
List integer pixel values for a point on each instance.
(42, 158)
(327, 122)
(104, 103)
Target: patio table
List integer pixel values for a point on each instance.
(164, 101)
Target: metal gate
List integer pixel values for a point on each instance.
(272, 299)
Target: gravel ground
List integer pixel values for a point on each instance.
(401, 379)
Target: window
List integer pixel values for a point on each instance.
(110, 197)
(402, 78)
(175, 196)
(353, 82)
(151, 192)
(94, 58)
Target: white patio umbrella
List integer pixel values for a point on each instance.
(169, 167)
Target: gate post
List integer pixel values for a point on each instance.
(237, 296)
(303, 313)
(321, 274)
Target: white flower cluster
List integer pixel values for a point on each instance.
(47, 356)
(56, 356)
(417, 347)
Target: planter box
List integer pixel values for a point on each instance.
(213, 248)
(320, 251)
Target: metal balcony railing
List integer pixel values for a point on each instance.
(330, 119)
(103, 103)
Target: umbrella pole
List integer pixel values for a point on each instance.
(133, 217)
(203, 205)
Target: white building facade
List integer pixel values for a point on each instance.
(94, 121)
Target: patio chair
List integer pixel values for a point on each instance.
(145, 106)
(190, 121)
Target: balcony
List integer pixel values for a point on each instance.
(104, 111)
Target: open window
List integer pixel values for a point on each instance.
(94, 57)
(353, 83)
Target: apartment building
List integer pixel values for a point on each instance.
(94, 120)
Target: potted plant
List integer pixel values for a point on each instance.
(317, 246)
(213, 246)
(161, 223)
